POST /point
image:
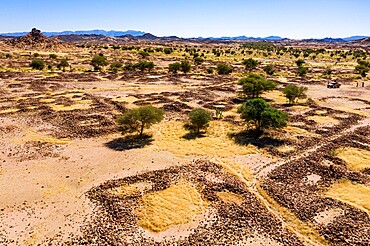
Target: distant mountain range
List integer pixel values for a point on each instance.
(133, 33)
(89, 32)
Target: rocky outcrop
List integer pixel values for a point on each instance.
(35, 39)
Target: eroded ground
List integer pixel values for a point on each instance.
(67, 175)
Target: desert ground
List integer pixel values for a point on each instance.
(69, 177)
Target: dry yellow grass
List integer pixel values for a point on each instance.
(293, 133)
(237, 169)
(296, 131)
(216, 143)
(357, 195)
(81, 106)
(300, 108)
(321, 112)
(178, 204)
(230, 197)
(47, 100)
(324, 120)
(276, 96)
(356, 159)
(31, 135)
(285, 148)
(11, 110)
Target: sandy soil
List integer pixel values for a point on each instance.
(58, 141)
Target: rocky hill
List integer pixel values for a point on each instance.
(35, 39)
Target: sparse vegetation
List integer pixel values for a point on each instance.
(250, 64)
(269, 69)
(302, 71)
(262, 165)
(115, 67)
(63, 64)
(362, 68)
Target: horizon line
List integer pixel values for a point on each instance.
(225, 36)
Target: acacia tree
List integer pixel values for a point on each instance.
(198, 119)
(300, 62)
(257, 112)
(269, 69)
(143, 65)
(63, 64)
(115, 66)
(137, 119)
(185, 66)
(174, 67)
(37, 64)
(254, 85)
(301, 70)
(362, 68)
(294, 92)
(98, 62)
(224, 69)
(250, 64)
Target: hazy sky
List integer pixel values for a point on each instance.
(193, 18)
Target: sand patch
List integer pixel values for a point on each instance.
(356, 159)
(178, 204)
(346, 105)
(312, 179)
(327, 216)
(356, 195)
(343, 103)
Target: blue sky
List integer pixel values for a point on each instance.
(193, 18)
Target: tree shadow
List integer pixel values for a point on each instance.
(256, 138)
(129, 142)
(193, 135)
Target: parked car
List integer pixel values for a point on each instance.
(333, 84)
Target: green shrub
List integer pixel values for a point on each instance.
(37, 64)
(98, 62)
(224, 68)
(174, 67)
(254, 85)
(258, 113)
(198, 119)
(294, 92)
